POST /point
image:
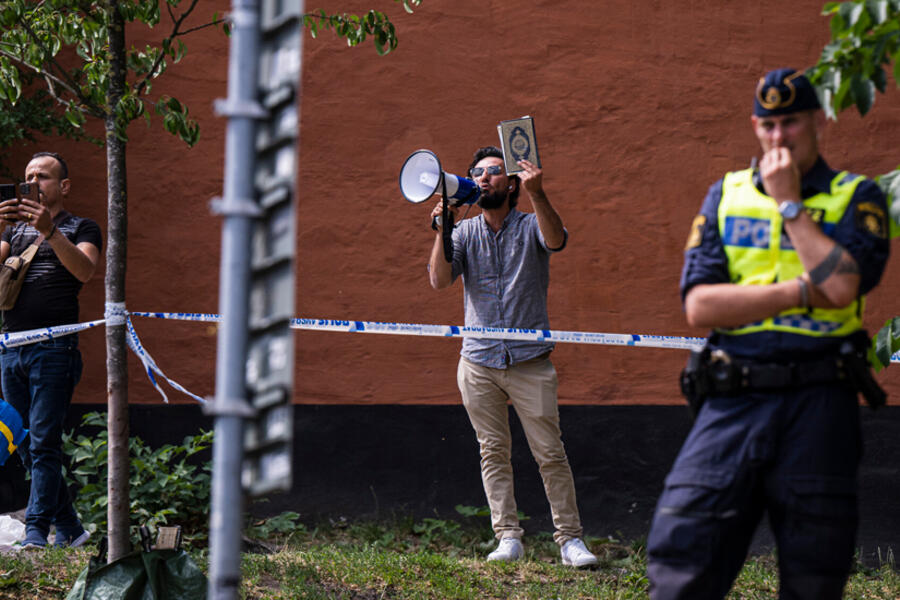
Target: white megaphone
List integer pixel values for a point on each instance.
(421, 175)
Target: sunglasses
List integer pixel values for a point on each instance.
(492, 170)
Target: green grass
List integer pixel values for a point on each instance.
(342, 571)
(427, 559)
(47, 573)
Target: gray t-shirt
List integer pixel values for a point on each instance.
(505, 276)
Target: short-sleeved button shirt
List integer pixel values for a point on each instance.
(505, 277)
(708, 263)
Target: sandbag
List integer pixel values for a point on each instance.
(153, 575)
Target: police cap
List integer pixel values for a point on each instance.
(784, 91)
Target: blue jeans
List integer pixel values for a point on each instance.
(38, 380)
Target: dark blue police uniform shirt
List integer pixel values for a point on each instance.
(707, 263)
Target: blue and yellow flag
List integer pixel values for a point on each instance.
(12, 431)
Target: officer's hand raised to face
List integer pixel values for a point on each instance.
(780, 175)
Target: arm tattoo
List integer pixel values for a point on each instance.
(848, 265)
(829, 265)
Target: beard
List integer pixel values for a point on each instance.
(493, 199)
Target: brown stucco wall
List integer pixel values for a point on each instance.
(639, 107)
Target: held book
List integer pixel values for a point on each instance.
(518, 142)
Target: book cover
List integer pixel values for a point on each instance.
(518, 142)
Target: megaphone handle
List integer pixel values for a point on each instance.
(438, 220)
(446, 223)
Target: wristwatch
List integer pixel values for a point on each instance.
(790, 210)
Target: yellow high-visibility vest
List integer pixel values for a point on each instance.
(760, 253)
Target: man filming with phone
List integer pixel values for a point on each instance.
(503, 256)
(38, 379)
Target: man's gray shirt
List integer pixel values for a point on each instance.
(505, 278)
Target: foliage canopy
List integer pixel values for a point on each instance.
(865, 41)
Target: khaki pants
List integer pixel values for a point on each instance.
(531, 387)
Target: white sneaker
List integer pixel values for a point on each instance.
(574, 554)
(508, 549)
(80, 540)
(60, 540)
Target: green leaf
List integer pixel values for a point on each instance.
(838, 25)
(180, 53)
(896, 58)
(890, 184)
(889, 181)
(863, 94)
(408, 4)
(886, 343)
(895, 215)
(75, 117)
(160, 489)
(879, 78)
(840, 95)
(830, 52)
(878, 9)
(852, 12)
(472, 511)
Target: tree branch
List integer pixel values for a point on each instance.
(71, 83)
(175, 33)
(51, 79)
(83, 107)
(204, 26)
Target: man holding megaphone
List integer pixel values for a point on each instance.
(503, 256)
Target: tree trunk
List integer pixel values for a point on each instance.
(116, 351)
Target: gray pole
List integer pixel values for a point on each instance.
(239, 209)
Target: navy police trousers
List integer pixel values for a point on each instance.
(792, 454)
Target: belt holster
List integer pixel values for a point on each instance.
(694, 386)
(714, 372)
(855, 359)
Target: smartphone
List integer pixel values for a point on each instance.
(7, 191)
(30, 191)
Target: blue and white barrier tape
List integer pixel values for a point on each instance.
(19, 338)
(538, 335)
(150, 365)
(115, 313)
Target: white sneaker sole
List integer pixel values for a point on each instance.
(580, 565)
(504, 559)
(80, 540)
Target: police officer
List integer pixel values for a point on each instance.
(777, 263)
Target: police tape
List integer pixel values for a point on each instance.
(502, 333)
(152, 370)
(539, 335)
(150, 366)
(22, 338)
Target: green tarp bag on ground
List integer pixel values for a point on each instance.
(153, 575)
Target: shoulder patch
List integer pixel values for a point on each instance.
(696, 235)
(870, 217)
(816, 214)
